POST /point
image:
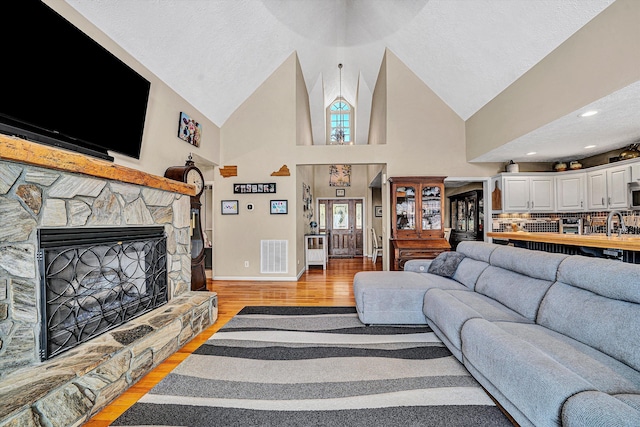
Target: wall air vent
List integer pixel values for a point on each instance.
(273, 256)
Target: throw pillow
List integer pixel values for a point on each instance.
(445, 264)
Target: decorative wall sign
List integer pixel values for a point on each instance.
(189, 130)
(283, 171)
(278, 207)
(340, 176)
(229, 207)
(254, 188)
(227, 171)
(340, 192)
(378, 211)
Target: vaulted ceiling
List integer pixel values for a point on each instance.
(215, 53)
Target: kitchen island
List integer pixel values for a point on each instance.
(625, 247)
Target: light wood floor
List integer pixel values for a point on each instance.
(316, 287)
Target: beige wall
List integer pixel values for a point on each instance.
(304, 135)
(378, 121)
(259, 138)
(161, 146)
(598, 59)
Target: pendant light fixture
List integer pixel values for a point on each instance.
(338, 132)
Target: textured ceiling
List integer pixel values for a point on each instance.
(215, 53)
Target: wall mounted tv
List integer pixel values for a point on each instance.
(61, 88)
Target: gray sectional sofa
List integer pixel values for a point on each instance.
(554, 338)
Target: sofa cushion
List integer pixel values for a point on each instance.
(445, 264)
(522, 375)
(450, 309)
(480, 251)
(536, 264)
(594, 408)
(517, 291)
(395, 297)
(617, 280)
(600, 370)
(469, 271)
(609, 325)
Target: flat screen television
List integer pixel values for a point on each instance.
(60, 87)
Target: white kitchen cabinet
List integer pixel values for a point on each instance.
(607, 188)
(571, 192)
(527, 193)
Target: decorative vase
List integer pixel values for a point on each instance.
(513, 167)
(560, 166)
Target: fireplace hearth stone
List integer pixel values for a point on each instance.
(69, 389)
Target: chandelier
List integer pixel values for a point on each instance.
(338, 134)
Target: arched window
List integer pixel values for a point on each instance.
(340, 122)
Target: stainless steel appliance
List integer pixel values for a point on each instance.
(571, 225)
(634, 194)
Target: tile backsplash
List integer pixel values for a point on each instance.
(594, 222)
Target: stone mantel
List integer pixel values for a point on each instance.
(30, 153)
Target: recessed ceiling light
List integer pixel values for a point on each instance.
(589, 146)
(531, 153)
(588, 113)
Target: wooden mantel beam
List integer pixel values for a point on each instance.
(21, 151)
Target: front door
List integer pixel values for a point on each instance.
(342, 221)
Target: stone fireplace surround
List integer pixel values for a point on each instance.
(46, 187)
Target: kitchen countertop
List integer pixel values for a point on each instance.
(625, 242)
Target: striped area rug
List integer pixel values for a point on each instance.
(316, 366)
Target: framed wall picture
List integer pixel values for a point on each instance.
(268, 187)
(340, 176)
(229, 207)
(278, 207)
(189, 130)
(340, 192)
(378, 211)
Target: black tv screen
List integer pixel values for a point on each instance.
(60, 87)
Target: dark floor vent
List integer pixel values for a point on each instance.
(95, 279)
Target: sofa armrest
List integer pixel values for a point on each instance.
(595, 408)
(417, 265)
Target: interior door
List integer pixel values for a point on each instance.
(343, 225)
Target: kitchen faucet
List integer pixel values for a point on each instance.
(621, 229)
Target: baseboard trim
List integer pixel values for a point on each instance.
(257, 279)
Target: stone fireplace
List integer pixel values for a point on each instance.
(44, 189)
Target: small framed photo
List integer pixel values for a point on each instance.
(340, 192)
(378, 211)
(278, 207)
(189, 130)
(229, 207)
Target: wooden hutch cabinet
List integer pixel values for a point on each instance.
(417, 229)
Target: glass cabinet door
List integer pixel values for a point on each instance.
(453, 209)
(406, 208)
(471, 214)
(431, 208)
(461, 225)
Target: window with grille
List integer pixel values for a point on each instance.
(340, 122)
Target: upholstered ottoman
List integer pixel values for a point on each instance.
(394, 297)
